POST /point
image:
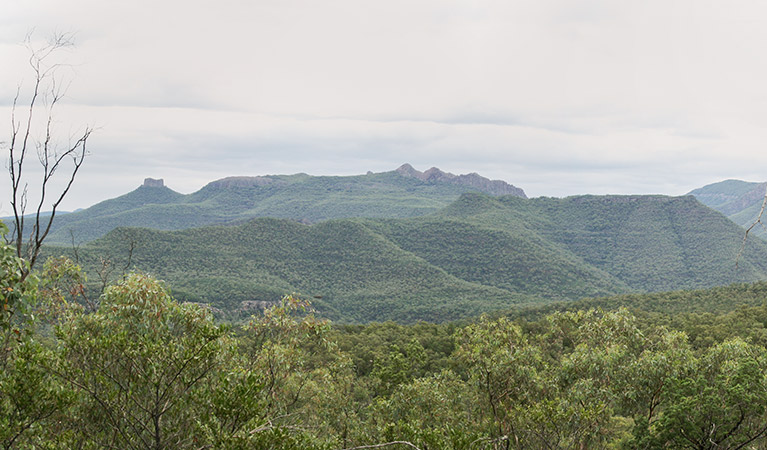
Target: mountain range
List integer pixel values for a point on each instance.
(404, 192)
(479, 253)
(408, 245)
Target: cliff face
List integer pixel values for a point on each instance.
(474, 180)
(754, 196)
(152, 182)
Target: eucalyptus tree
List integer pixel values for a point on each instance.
(29, 394)
(140, 365)
(720, 404)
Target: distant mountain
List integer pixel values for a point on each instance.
(8, 219)
(480, 253)
(404, 192)
(740, 201)
(472, 180)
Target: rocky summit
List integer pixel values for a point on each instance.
(473, 180)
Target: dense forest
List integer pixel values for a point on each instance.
(479, 254)
(134, 368)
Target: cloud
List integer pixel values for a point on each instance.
(557, 97)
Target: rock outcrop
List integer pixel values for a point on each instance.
(474, 180)
(255, 305)
(743, 201)
(152, 182)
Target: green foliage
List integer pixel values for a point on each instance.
(17, 291)
(355, 270)
(478, 255)
(719, 403)
(151, 373)
(662, 306)
(514, 258)
(431, 412)
(29, 394)
(136, 369)
(277, 348)
(138, 362)
(143, 371)
(654, 243)
(558, 389)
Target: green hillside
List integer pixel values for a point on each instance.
(358, 274)
(652, 243)
(715, 301)
(404, 192)
(656, 243)
(740, 201)
(514, 261)
(480, 253)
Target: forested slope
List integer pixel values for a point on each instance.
(140, 370)
(739, 200)
(481, 253)
(650, 243)
(358, 275)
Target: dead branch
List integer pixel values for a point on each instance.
(46, 93)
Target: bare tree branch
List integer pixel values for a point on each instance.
(46, 93)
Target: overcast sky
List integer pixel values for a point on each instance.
(556, 97)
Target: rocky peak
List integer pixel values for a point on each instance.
(474, 180)
(744, 201)
(407, 170)
(152, 182)
(434, 174)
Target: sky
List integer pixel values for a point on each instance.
(558, 97)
